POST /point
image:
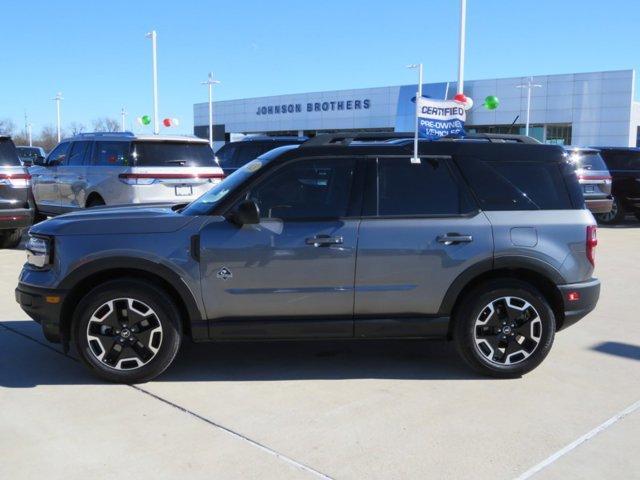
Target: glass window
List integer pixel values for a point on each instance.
(8, 155)
(586, 160)
(513, 185)
(225, 155)
(307, 189)
(248, 152)
(78, 152)
(427, 188)
(58, 156)
(112, 154)
(173, 154)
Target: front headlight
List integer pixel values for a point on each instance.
(38, 251)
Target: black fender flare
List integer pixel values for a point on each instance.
(507, 262)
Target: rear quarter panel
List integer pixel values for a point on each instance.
(555, 237)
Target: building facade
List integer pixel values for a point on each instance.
(597, 108)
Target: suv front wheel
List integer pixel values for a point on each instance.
(127, 331)
(504, 328)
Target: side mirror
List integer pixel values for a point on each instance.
(247, 213)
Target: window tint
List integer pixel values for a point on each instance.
(587, 160)
(622, 160)
(111, 154)
(427, 188)
(225, 155)
(78, 152)
(504, 185)
(8, 155)
(173, 154)
(306, 189)
(59, 154)
(247, 152)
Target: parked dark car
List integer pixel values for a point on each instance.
(594, 178)
(234, 155)
(31, 155)
(624, 165)
(16, 205)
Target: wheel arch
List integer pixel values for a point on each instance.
(93, 195)
(535, 272)
(82, 280)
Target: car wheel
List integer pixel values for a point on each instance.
(95, 202)
(127, 331)
(504, 328)
(637, 214)
(615, 215)
(11, 238)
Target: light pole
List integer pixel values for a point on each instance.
(57, 99)
(123, 113)
(416, 158)
(463, 27)
(29, 134)
(210, 83)
(529, 85)
(154, 52)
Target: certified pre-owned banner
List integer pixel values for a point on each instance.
(440, 118)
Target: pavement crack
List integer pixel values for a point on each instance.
(227, 430)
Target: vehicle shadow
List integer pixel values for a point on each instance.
(33, 365)
(619, 349)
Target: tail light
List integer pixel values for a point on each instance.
(15, 179)
(151, 178)
(592, 242)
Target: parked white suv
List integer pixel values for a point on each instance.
(95, 169)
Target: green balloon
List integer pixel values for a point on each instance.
(491, 102)
(146, 119)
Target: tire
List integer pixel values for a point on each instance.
(11, 238)
(637, 214)
(138, 352)
(616, 215)
(498, 348)
(95, 202)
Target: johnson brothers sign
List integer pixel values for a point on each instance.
(326, 106)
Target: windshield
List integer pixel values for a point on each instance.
(209, 200)
(8, 155)
(173, 154)
(587, 160)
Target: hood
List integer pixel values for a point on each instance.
(115, 220)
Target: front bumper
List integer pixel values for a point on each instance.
(587, 294)
(44, 305)
(15, 218)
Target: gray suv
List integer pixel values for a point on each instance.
(342, 237)
(16, 203)
(120, 168)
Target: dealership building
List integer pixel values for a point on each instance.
(597, 108)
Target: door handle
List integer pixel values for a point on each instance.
(452, 238)
(324, 241)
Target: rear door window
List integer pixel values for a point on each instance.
(173, 154)
(112, 154)
(8, 154)
(427, 188)
(516, 185)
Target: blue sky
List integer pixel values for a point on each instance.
(98, 57)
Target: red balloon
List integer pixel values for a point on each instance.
(166, 122)
(460, 97)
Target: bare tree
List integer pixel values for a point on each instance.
(7, 126)
(76, 128)
(48, 138)
(106, 124)
(21, 138)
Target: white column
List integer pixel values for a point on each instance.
(154, 53)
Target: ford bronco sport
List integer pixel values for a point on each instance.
(485, 243)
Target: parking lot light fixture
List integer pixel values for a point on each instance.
(529, 85)
(463, 28)
(416, 158)
(154, 58)
(210, 83)
(57, 99)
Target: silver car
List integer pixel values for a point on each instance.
(96, 169)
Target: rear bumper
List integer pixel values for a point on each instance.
(16, 218)
(41, 305)
(587, 292)
(599, 205)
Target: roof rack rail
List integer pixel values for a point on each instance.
(342, 139)
(494, 138)
(105, 134)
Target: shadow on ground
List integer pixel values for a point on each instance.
(26, 363)
(619, 349)
(630, 221)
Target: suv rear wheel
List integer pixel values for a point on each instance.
(127, 331)
(504, 328)
(11, 238)
(615, 215)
